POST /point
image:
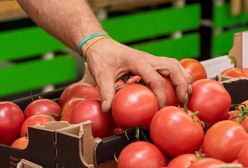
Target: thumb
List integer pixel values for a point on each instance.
(107, 90)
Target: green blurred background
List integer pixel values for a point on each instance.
(30, 59)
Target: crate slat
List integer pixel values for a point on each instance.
(186, 47)
(36, 74)
(130, 28)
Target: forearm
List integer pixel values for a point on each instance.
(68, 20)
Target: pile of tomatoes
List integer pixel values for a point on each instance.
(200, 133)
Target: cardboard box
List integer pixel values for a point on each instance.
(27, 164)
(59, 144)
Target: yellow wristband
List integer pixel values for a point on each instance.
(92, 43)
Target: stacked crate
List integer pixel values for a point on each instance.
(220, 24)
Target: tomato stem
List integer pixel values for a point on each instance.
(126, 134)
(137, 133)
(199, 155)
(185, 107)
(116, 159)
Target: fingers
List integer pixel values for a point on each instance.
(152, 78)
(178, 76)
(107, 90)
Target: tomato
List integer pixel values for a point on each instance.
(182, 161)
(134, 105)
(170, 93)
(35, 120)
(245, 71)
(11, 119)
(170, 90)
(142, 155)
(245, 124)
(102, 123)
(243, 155)
(232, 115)
(194, 68)
(175, 132)
(211, 99)
(42, 106)
(20, 143)
(79, 90)
(206, 163)
(234, 72)
(67, 108)
(223, 140)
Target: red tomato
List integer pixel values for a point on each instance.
(182, 161)
(170, 93)
(11, 119)
(35, 120)
(245, 124)
(206, 163)
(67, 108)
(79, 90)
(102, 123)
(211, 99)
(245, 71)
(243, 155)
(42, 106)
(223, 140)
(234, 72)
(232, 115)
(194, 68)
(20, 143)
(141, 155)
(171, 127)
(134, 105)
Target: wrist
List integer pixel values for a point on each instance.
(89, 40)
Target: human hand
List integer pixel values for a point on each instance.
(109, 60)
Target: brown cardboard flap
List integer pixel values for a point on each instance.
(27, 164)
(79, 138)
(230, 166)
(239, 49)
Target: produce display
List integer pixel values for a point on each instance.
(205, 132)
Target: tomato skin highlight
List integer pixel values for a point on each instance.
(102, 123)
(211, 99)
(134, 105)
(206, 163)
(171, 127)
(141, 154)
(243, 155)
(224, 140)
(20, 143)
(35, 120)
(11, 119)
(42, 106)
(182, 161)
(194, 68)
(79, 90)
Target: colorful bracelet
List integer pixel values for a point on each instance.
(87, 38)
(92, 43)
